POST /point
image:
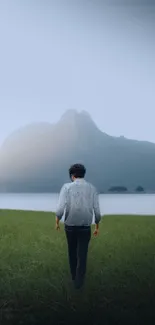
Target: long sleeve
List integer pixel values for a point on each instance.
(61, 202)
(96, 207)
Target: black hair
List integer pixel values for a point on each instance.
(77, 170)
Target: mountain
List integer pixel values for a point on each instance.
(36, 158)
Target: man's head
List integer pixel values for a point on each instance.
(77, 171)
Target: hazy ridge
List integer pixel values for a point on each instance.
(36, 158)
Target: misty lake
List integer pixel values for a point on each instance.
(143, 204)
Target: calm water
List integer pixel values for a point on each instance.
(109, 203)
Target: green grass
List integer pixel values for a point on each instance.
(34, 273)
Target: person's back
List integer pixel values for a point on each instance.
(78, 202)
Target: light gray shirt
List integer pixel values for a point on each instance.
(78, 202)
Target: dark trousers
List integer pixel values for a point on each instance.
(78, 241)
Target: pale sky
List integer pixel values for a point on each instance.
(81, 54)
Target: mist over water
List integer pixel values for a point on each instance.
(96, 56)
(143, 204)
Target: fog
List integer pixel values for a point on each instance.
(56, 55)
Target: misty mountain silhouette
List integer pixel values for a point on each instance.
(36, 158)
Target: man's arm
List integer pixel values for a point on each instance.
(61, 204)
(97, 213)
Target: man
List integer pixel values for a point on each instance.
(78, 202)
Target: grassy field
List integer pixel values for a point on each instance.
(35, 280)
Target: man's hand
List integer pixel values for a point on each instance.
(96, 231)
(57, 227)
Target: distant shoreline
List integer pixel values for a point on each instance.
(100, 193)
